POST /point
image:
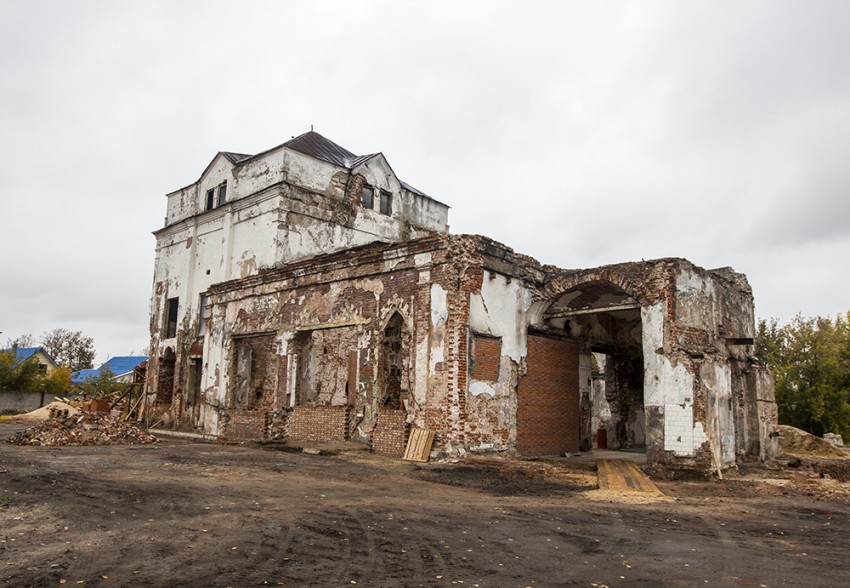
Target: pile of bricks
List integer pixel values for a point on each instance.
(82, 428)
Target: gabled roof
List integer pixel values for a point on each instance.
(235, 158)
(24, 353)
(122, 364)
(315, 145)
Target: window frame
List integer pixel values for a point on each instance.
(222, 194)
(371, 199)
(204, 314)
(170, 325)
(386, 203)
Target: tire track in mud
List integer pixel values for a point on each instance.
(362, 545)
(260, 555)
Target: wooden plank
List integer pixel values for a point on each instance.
(623, 476)
(419, 444)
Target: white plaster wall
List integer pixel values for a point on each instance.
(499, 311)
(439, 315)
(717, 383)
(670, 386)
(696, 301)
(422, 346)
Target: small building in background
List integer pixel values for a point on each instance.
(45, 361)
(121, 367)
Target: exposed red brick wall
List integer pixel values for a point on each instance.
(318, 424)
(548, 399)
(487, 355)
(243, 425)
(390, 434)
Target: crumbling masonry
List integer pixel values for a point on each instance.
(307, 293)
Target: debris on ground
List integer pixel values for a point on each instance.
(799, 443)
(834, 438)
(66, 426)
(43, 413)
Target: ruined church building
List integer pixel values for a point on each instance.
(308, 294)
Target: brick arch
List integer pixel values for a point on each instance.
(562, 284)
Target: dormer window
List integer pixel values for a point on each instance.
(222, 193)
(368, 197)
(386, 203)
(210, 199)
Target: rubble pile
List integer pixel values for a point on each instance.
(81, 428)
(799, 443)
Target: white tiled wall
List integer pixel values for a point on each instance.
(681, 436)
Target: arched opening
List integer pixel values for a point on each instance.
(584, 383)
(165, 376)
(393, 364)
(605, 322)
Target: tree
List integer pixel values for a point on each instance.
(69, 348)
(25, 340)
(810, 360)
(102, 385)
(56, 382)
(16, 376)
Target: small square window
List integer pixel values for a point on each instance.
(222, 194)
(386, 203)
(210, 199)
(368, 197)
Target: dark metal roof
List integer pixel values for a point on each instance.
(315, 145)
(361, 158)
(235, 158)
(410, 188)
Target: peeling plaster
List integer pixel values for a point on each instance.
(439, 316)
(477, 388)
(498, 310)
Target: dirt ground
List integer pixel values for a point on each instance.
(178, 513)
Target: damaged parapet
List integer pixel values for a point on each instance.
(461, 335)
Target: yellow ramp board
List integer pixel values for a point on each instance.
(622, 475)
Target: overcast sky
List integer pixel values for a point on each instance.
(580, 133)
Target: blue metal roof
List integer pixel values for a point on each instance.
(83, 375)
(24, 353)
(118, 365)
(123, 363)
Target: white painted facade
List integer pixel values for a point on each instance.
(281, 206)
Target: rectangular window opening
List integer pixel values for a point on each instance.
(205, 314)
(171, 318)
(368, 197)
(386, 203)
(222, 194)
(210, 199)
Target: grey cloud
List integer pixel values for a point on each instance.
(577, 133)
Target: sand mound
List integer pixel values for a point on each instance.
(799, 443)
(43, 413)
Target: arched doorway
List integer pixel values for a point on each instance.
(165, 376)
(393, 363)
(584, 382)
